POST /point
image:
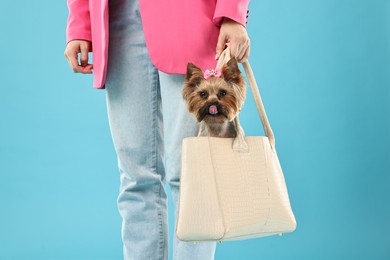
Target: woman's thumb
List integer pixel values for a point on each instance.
(220, 45)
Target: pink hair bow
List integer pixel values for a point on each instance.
(212, 73)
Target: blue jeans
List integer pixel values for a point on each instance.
(148, 120)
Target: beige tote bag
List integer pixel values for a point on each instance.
(233, 188)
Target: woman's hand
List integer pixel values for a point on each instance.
(235, 34)
(73, 48)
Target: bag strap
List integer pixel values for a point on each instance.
(223, 59)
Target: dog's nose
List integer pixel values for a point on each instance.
(213, 99)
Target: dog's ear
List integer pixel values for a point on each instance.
(193, 72)
(231, 72)
(193, 78)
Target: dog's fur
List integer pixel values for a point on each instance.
(215, 102)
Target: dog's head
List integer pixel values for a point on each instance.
(214, 96)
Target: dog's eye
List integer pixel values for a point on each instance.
(203, 94)
(222, 93)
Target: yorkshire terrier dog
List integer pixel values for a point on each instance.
(215, 98)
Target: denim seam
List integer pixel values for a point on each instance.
(154, 158)
(159, 169)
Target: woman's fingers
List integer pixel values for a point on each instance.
(72, 51)
(235, 34)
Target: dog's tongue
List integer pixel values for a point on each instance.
(213, 110)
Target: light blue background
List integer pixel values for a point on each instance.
(323, 68)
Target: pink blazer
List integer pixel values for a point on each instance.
(176, 31)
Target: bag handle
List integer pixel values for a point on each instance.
(223, 59)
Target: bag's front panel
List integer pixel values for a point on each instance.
(200, 216)
(249, 186)
(242, 185)
(231, 195)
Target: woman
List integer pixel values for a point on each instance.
(140, 52)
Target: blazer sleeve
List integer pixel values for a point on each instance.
(79, 21)
(233, 9)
